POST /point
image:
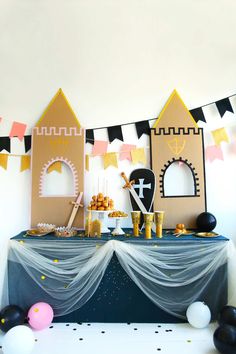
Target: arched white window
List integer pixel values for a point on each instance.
(178, 180)
(58, 183)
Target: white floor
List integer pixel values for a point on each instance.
(133, 338)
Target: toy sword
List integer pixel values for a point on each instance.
(129, 185)
(77, 204)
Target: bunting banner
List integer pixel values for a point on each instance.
(55, 166)
(138, 155)
(125, 151)
(128, 151)
(110, 159)
(115, 132)
(5, 143)
(87, 162)
(25, 163)
(142, 128)
(3, 160)
(220, 135)
(90, 136)
(198, 114)
(99, 147)
(27, 141)
(213, 152)
(18, 130)
(223, 106)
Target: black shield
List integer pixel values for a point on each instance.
(144, 186)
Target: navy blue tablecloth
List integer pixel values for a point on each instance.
(117, 299)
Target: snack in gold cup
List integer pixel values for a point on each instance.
(148, 220)
(159, 217)
(136, 221)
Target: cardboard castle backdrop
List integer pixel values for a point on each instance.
(57, 137)
(176, 138)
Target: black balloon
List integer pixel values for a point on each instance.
(11, 316)
(225, 339)
(227, 316)
(206, 222)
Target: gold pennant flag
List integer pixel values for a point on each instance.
(3, 160)
(55, 166)
(138, 155)
(25, 163)
(220, 135)
(87, 162)
(110, 159)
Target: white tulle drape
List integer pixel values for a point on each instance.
(73, 270)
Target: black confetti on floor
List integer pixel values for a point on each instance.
(109, 331)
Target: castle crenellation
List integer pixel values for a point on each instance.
(58, 131)
(177, 131)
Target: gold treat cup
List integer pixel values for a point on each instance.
(158, 218)
(136, 215)
(148, 220)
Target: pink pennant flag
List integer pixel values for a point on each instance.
(18, 129)
(214, 152)
(125, 151)
(99, 147)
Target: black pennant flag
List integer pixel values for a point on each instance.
(90, 136)
(142, 128)
(27, 139)
(198, 114)
(223, 106)
(5, 143)
(115, 132)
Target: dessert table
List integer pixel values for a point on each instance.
(116, 297)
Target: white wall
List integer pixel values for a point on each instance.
(117, 62)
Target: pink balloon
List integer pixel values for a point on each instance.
(40, 315)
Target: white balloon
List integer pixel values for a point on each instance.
(18, 340)
(198, 314)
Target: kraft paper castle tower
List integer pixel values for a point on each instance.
(57, 138)
(176, 138)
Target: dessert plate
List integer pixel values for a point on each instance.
(35, 232)
(206, 234)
